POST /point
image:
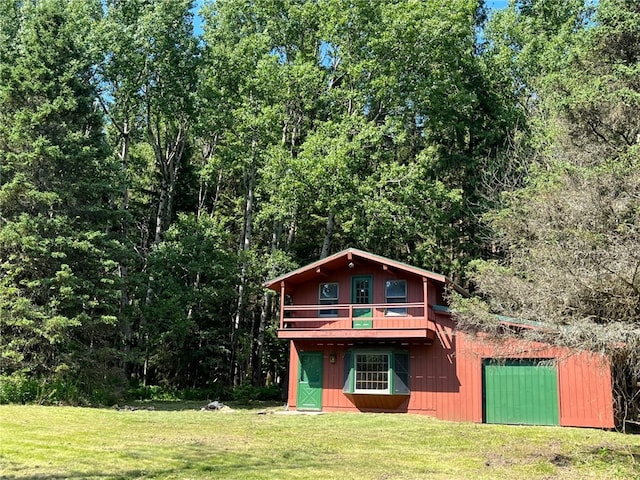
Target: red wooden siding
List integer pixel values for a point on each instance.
(586, 391)
(585, 387)
(294, 360)
(446, 378)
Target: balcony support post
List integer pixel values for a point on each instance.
(282, 303)
(425, 299)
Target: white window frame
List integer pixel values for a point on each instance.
(328, 300)
(395, 312)
(388, 373)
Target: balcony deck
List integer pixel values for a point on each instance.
(346, 321)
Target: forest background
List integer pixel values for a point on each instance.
(152, 177)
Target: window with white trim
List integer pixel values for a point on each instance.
(328, 295)
(376, 372)
(395, 292)
(372, 373)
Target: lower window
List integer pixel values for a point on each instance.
(372, 373)
(376, 372)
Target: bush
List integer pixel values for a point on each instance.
(18, 389)
(204, 394)
(160, 393)
(150, 392)
(60, 390)
(247, 393)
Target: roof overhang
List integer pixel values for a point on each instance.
(351, 257)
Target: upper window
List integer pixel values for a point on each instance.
(328, 295)
(396, 292)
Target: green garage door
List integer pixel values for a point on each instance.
(520, 392)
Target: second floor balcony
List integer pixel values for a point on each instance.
(362, 321)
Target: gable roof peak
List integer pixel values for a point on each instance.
(341, 259)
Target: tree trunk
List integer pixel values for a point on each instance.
(123, 271)
(326, 245)
(245, 245)
(167, 142)
(265, 314)
(258, 349)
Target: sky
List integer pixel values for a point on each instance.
(497, 4)
(493, 4)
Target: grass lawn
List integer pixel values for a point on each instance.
(181, 442)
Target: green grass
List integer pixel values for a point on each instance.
(174, 443)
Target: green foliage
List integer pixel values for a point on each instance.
(150, 392)
(247, 393)
(18, 389)
(62, 389)
(194, 278)
(207, 393)
(58, 290)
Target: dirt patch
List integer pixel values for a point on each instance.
(496, 460)
(560, 460)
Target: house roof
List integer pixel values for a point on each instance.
(342, 259)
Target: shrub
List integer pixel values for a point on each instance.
(18, 388)
(247, 393)
(150, 392)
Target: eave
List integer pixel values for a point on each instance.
(336, 334)
(349, 256)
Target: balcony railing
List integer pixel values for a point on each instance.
(394, 319)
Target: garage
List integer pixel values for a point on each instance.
(520, 391)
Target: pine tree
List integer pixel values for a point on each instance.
(58, 286)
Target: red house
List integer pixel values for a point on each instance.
(371, 334)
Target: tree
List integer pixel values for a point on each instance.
(59, 255)
(148, 75)
(289, 130)
(345, 123)
(196, 280)
(239, 89)
(392, 87)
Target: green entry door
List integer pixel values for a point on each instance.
(310, 381)
(362, 293)
(523, 392)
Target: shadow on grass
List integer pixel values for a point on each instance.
(191, 405)
(201, 462)
(616, 454)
